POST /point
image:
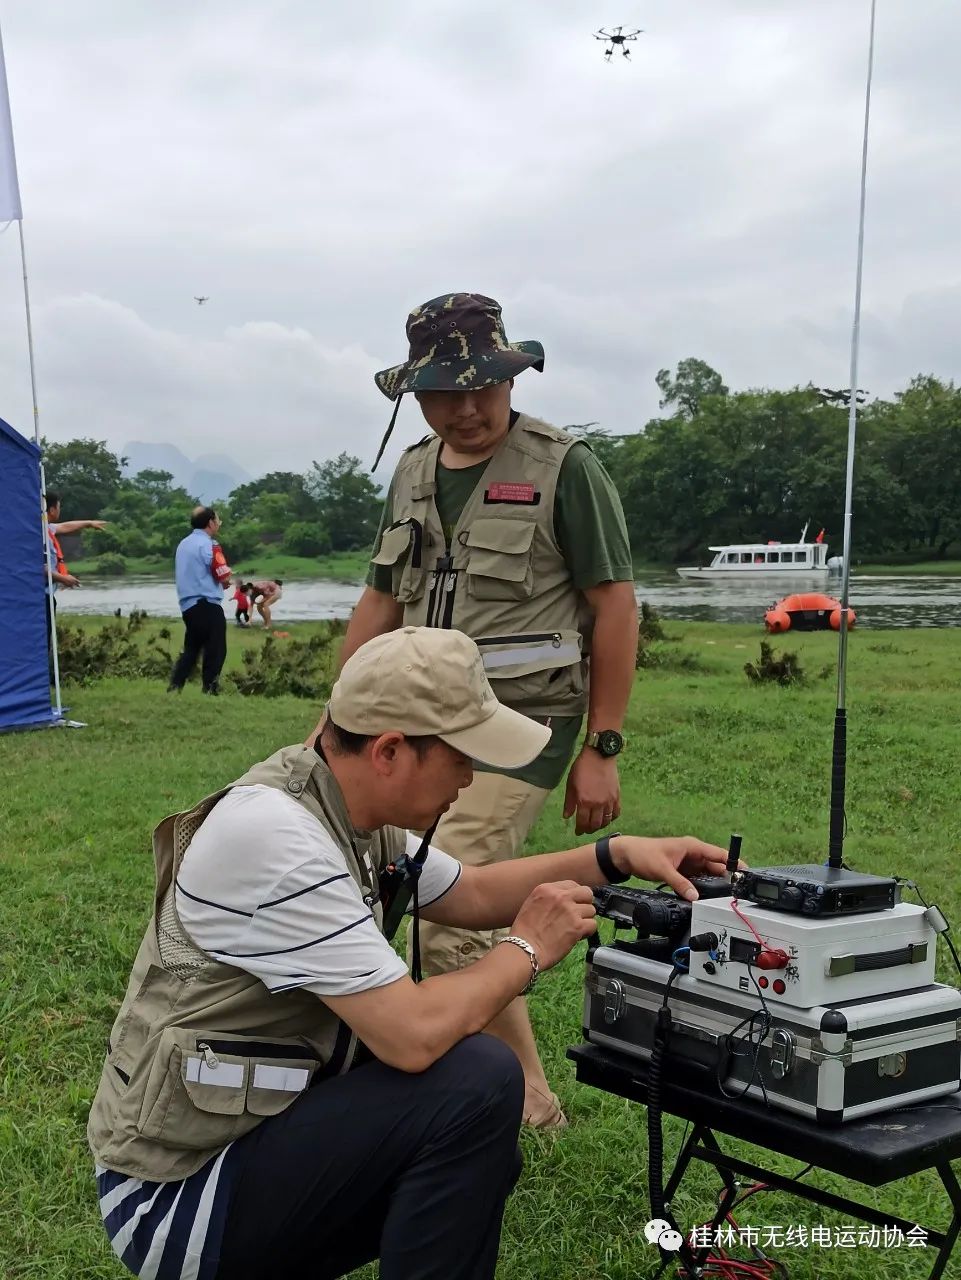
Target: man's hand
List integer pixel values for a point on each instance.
(593, 791)
(669, 860)
(554, 918)
(97, 524)
(67, 580)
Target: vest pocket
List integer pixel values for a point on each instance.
(544, 668)
(400, 547)
(207, 1089)
(500, 566)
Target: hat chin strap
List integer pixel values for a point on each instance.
(387, 433)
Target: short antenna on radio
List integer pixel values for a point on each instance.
(839, 761)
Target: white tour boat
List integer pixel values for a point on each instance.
(766, 559)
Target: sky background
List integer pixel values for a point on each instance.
(319, 169)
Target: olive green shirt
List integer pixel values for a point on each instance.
(590, 529)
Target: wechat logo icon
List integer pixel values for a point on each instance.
(661, 1233)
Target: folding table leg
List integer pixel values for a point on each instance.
(954, 1227)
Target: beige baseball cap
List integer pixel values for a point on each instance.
(428, 681)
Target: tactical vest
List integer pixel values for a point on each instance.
(201, 1052)
(503, 580)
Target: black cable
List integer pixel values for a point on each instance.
(731, 1049)
(655, 1131)
(946, 935)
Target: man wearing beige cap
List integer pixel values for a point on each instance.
(279, 1097)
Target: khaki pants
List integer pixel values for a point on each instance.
(488, 822)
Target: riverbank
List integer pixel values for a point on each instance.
(351, 566)
(707, 752)
(341, 566)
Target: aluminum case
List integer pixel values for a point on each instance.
(829, 1064)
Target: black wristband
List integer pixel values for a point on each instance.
(602, 851)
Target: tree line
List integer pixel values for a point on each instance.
(719, 466)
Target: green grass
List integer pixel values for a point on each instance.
(924, 569)
(707, 753)
(345, 566)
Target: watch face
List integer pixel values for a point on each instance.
(609, 742)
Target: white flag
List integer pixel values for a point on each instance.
(9, 187)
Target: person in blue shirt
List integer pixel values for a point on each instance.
(201, 573)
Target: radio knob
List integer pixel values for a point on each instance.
(791, 896)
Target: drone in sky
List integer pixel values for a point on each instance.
(200, 301)
(617, 39)
(841, 396)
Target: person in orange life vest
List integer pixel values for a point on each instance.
(58, 575)
(201, 571)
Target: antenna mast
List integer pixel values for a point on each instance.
(839, 762)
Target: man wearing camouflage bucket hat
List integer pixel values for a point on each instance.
(509, 529)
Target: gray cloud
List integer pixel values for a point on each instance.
(319, 169)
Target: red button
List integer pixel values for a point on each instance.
(762, 982)
(779, 986)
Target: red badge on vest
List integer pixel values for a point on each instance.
(521, 494)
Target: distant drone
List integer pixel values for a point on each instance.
(841, 396)
(200, 301)
(617, 39)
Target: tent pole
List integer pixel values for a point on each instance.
(43, 482)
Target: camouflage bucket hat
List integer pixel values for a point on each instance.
(457, 343)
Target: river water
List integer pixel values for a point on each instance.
(879, 602)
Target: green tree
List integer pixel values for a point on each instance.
(300, 505)
(606, 447)
(922, 449)
(306, 538)
(348, 500)
(85, 474)
(693, 382)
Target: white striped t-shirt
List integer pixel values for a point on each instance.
(262, 886)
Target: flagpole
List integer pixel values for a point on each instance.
(13, 210)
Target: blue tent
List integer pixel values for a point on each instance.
(24, 678)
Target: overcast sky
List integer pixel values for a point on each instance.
(317, 169)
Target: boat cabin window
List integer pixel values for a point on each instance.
(745, 557)
(773, 557)
(800, 557)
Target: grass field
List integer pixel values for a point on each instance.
(708, 753)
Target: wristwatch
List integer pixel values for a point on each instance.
(607, 741)
(602, 852)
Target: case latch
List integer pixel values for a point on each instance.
(783, 1048)
(893, 1065)
(615, 1000)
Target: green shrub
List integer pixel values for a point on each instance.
(110, 565)
(304, 668)
(114, 650)
(649, 630)
(772, 668)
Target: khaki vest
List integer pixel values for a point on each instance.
(504, 580)
(200, 1052)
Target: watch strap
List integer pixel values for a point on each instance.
(602, 851)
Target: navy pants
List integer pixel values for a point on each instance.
(205, 631)
(411, 1169)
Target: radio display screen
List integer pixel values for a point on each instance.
(766, 890)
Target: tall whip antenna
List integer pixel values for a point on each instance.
(838, 768)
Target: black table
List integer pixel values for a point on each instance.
(874, 1151)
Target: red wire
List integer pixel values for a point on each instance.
(746, 921)
(727, 1268)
